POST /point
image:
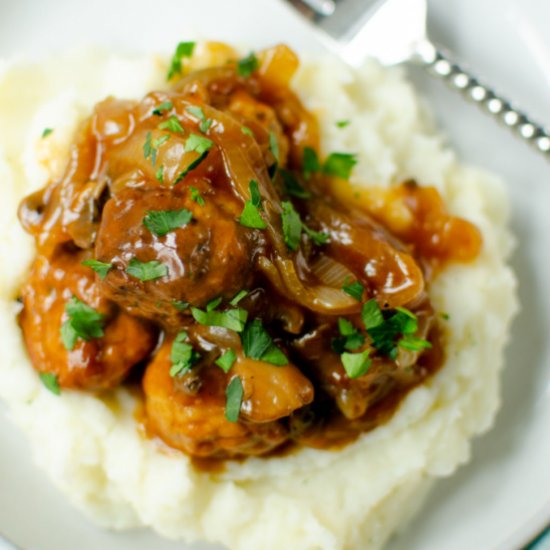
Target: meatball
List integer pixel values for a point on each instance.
(204, 258)
(191, 416)
(97, 364)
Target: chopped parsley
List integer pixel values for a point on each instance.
(159, 174)
(83, 323)
(164, 106)
(258, 344)
(150, 147)
(180, 305)
(161, 222)
(205, 123)
(274, 147)
(336, 164)
(183, 49)
(238, 297)
(292, 185)
(182, 355)
(213, 304)
(146, 271)
(190, 167)
(47, 132)
(342, 123)
(310, 162)
(172, 124)
(226, 360)
(250, 216)
(51, 382)
(340, 165)
(350, 338)
(247, 65)
(247, 131)
(199, 144)
(292, 225)
(392, 329)
(233, 399)
(196, 196)
(355, 290)
(356, 364)
(101, 268)
(232, 319)
(318, 237)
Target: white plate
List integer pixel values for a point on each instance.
(503, 496)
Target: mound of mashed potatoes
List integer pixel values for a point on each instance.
(355, 497)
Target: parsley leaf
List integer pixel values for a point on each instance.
(247, 131)
(205, 123)
(356, 364)
(250, 216)
(340, 165)
(164, 106)
(190, 167)
(182, 355)
(147, 146)
(196, 196)
(180, 305)
(413, 343)
(213, 304)
(47, 132)
(310, 162)
(258, 344)
(226, 360)
(232, 319)
(371, 314)
(292, 225)
(172, 124)
(146, 271)
(83, 322)
(233, 399)
(159, 174)
(351, 339)
(161, 222)
(274, 146)
(342, 123)
(318, 237)
(292, 186)
(355, 290)
(197, 143)
(51, 382)
(183, 49)
(247, 65)
(238, 297)
(101, 268)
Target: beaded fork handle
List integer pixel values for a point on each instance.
(439, 64)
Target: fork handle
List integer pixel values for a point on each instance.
(439, 63)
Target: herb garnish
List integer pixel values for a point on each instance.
(342, 123)
(196, 196)
(51, 382)
(150, 147)
(146, 271)
(238, 297)
(292, 185)
(164, 106)
(183, 49)
(355, 289)
(161, 222)
(172, 124)
(233, 399)
(340, 165)
(205, 123)
(350, 338)
(310, 162)
(197, 143)
(247, 65)
(232, 319)
(274, 146)
(182, 355)
(318, 237)
(292, 225)
(213, 304)
(159, 174)
(356, 364)
(258, 344)
(180, 305)
(226, 360)
(247, 131)
(47, 132)
(83, 323)
(250, 216)
(101, 268)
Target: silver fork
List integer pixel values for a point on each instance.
(394, 31)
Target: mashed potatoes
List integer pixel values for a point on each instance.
(354, 498)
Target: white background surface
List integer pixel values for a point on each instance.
(503, 495)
